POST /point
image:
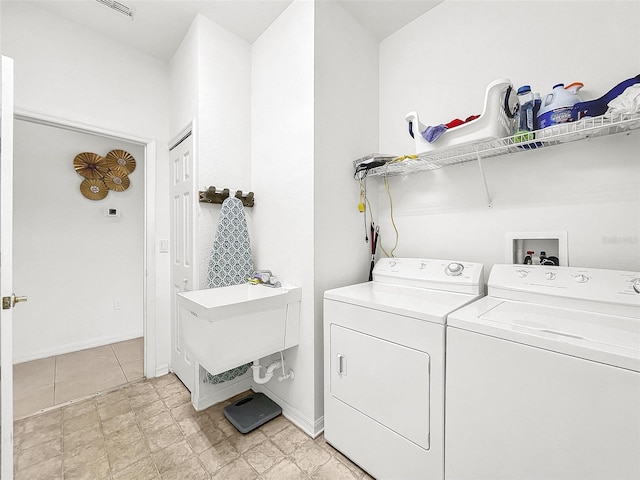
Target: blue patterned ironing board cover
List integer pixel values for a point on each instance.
(231, 263)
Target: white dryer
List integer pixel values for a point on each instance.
(384, 344)
(543, 377)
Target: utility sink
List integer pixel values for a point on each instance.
(223, 328)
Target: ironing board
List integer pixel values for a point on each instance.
(231, 263)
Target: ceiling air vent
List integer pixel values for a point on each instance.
(118, 7)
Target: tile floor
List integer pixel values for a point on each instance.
(150, 431)
(41, 384)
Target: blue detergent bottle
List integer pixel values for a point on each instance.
(525, 116)
(556, 106)
(537, 103)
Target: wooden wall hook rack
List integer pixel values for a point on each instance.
(210, 195)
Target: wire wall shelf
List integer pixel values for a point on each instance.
(589, 127)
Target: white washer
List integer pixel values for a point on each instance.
(543, 377)
(384, 364)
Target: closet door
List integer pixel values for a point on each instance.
(183, 274)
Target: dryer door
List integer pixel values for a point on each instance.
(385, 381)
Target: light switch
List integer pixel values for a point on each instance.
(164, 245)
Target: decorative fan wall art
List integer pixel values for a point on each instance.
(121, 161)
(90, 165)
(104, 173)
(93, 189)
(117, 181)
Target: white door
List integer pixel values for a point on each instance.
(183, 271)
(6, 270)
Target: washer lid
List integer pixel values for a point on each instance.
(421, 303)
(609, 339)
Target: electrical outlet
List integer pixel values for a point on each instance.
(117, 304)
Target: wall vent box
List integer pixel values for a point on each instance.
(554, 244)
(112, 212)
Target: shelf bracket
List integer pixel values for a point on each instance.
(484, 181)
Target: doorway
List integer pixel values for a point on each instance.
(83, 262)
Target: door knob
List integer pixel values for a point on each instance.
(10, 302)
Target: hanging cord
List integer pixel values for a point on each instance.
(282, 363)
(403, 158)
(365, 205)
(375, 231)
(362, 206)
(391, 253)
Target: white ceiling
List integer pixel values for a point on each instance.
(158, 26)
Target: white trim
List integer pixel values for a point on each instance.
(318, 426)
(73, 347)
(6, 272)
(60, 122)
(306, 424)
(149, 253)
(206, 394)
(161, 370)
(181, 136)
(149, 288)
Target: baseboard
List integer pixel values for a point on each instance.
(72, 347)
(162, 370)
(307, 425)
(207, 394)
(318, 426)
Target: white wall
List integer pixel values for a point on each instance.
(71, 259)
(210, 83)
(314, 110)
(282, 152)
(224, 125)
(65, 70)
(440, 65)
(184, 85)
(346, 126)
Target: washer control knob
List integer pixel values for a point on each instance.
(454, 269)
(423, 265)
(581, 278)
(636, 285)
(522, 273)
(550, 275)
(392, 263)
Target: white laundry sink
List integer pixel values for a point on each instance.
(229, 326)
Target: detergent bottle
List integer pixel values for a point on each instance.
(556, 106)
(537, 103)
(525, 120)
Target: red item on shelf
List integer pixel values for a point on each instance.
(456, 122)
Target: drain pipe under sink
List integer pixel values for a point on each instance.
(269, 371)
(267, 374)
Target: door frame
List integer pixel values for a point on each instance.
(149, 250)
(6, 240)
